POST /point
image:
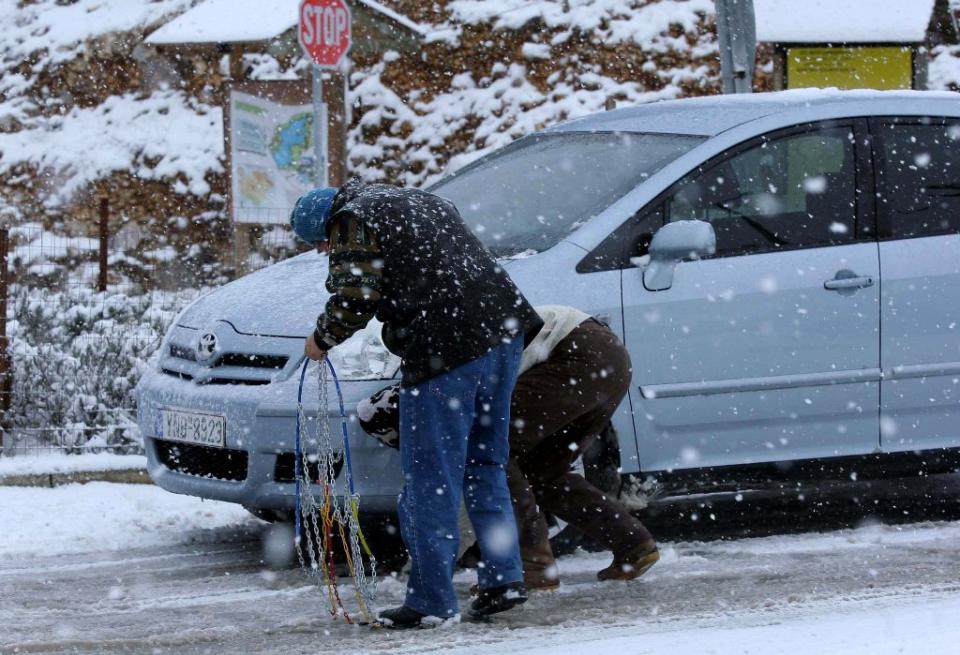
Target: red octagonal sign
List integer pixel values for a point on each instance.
(325, 30)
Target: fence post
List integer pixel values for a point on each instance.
(6, 374)
(243, 246)
(104, 242)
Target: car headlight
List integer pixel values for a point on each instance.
(364, 356)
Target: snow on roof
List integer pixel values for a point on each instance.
(226, 21)
(711, 115)
(232, 21)
(61, 29)
(390, 13)
(851, 21)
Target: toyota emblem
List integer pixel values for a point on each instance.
(207, 346)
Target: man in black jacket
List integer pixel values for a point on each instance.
(458, 323)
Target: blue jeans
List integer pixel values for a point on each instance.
(454, 442)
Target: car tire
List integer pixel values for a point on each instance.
(382, 533)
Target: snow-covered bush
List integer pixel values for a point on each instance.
(77, 356)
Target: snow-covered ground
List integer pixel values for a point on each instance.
(101, 516)
(130, 568)
(58, 463)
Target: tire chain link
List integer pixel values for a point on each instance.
(318, 449)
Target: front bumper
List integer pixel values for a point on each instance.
(260, 439)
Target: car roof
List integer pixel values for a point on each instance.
(711, 115)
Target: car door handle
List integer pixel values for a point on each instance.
(848, 283)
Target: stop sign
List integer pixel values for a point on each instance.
(325, 30)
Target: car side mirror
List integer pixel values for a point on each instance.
(673, 243)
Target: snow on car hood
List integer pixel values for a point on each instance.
(284, 300)
(280, 300)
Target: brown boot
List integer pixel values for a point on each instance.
(546, 579)
(631, 564)
(539, 568)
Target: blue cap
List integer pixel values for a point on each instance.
(311, 214)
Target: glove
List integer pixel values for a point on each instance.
(380, 415)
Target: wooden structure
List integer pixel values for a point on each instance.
(876, 44)
(239, 27)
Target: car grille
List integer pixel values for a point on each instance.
(285, 471)
(275, 362)
(203, 461)
(238, 368)
(177, 374)
(180, 352)
(187, 376)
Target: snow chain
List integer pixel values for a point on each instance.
(324, 515)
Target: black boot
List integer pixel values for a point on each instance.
(498, 599)
(404, 618)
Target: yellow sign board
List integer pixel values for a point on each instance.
(855, 67)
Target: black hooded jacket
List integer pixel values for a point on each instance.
(441, 296)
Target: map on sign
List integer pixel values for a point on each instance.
(272, 157)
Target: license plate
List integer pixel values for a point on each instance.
(192, 427)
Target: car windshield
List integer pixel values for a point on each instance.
(531, 194)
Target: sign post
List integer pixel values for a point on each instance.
(737, 34)
(325, 34)
(321, 136)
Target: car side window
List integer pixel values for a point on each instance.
(632, 239)
(778, 193)
(919, 178)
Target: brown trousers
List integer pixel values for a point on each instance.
(558, 408)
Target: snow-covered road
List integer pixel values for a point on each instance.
(151, 577)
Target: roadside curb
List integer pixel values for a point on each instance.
(128, 476)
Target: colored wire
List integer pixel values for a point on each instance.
(329, 514)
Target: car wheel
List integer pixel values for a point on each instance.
(382, 533)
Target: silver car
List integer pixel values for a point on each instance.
(784, 269)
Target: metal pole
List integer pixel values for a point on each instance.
(6, 374)
(321, 166)
(104, 243)
(737, 36)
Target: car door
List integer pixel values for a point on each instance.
(769, 350)
(918, 191)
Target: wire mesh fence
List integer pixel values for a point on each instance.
(85, 310)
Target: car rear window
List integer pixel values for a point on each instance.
(920, 178)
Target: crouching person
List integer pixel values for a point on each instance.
(573, 376)
(458, 324)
